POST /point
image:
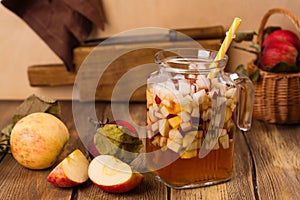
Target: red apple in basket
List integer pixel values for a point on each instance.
(285, 36)
(112, 175)
(278, 51)
(72, 171)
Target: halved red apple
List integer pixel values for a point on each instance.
(71, 171)
(112, 175)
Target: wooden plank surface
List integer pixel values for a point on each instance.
(276, 151)
(22, 183)
(266, 164)
(150, 186)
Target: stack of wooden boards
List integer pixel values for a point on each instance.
(130, 55)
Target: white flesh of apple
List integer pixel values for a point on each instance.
(107, 170)
(75, 167)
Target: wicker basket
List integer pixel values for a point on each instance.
(277, 95)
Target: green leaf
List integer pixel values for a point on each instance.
(36, 104)
(4, 138)
(283, 67)
(255, 76)
(104, 145)
(118, 133)
(118, 141)
(268, 68)
(241, 70)
(257, 47)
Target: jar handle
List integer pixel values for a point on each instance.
(245, 99)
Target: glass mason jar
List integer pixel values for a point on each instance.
(193, 109)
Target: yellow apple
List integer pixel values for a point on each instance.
(37, 140)
(112, 175)
(72, 171)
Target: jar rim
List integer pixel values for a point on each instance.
(189, 60)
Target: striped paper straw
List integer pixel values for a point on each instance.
(225, 45)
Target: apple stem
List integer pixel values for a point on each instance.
(97, 123)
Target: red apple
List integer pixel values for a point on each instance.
(278, 51)
(285, 36)
(112, 175)
(93, 149)
(72, 171)
(125, 124)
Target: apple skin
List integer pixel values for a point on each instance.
(76, 165)
(285, 36)
(135, 179)
(93, 149)
(37, 140)
(112, 175)
(58, 178)
(278, 51)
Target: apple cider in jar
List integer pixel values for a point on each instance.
(192, 110)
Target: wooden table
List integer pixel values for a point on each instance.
(266, 166)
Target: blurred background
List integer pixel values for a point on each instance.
(21, 47)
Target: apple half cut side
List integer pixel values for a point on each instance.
(112, 175)
(71, 171)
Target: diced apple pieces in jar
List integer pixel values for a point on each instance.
(185, 126)
(174, 146)
(185, 116)
(182, 109)
(189, 154)
(189, 138)
(196, 144)
(164, 127)
(224, 140)
(174, 121)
